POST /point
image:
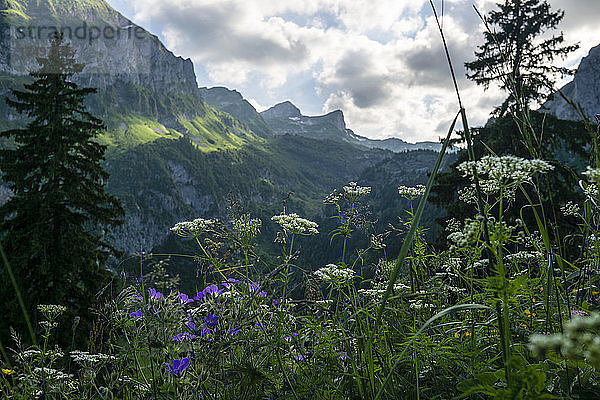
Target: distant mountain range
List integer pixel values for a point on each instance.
(178, 152)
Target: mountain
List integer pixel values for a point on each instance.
(286, 119)
(145, 91)
(584, 91)
(176, 151)
(232, 102)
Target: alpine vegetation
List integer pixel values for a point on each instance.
(498, 298)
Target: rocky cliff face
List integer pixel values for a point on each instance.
(119, 56)
(584, 90)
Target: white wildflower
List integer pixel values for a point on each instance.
(591, 192)
(355, 192)
(570, 209)
(293, 223)
(52, 374)
(411, 193)
(51, 311)
(324, 303)
(467, 195)
(247, 228)
(48, 325)
(593, 174)
(334, 274)
(332, 198)
(86, 359)
(525, 257)
(193, 228)
(504, 171)
(420, 304)
(377, 242)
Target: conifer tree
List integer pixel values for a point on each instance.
(52, 228)
(515, 57)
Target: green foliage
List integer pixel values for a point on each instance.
(512, 55)
(52, 226)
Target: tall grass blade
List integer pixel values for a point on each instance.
(18, 292)
(449, 310)
(413, 226)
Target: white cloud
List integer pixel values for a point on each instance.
(381, 62)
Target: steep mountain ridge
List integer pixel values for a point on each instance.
(287, 119)
(583, 90)
(177, 151)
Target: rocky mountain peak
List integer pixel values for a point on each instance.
(583, 90)
(283, 110)
(101, 37)
(336, 118)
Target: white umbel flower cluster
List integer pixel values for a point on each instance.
(593, 174)
(570, 209)
(51, 311)
(247, 227)
(504, 171)
(86, 359)
(193, 228)
(411, 193)
(355, 192)
(334, 274)
(576, 343)
(51, 373)
(293, 223)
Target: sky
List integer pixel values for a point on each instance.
(379, 61)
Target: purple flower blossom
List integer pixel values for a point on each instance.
(276, 303)
(255, 288)
(138, 296)
(579, 313)
(178, 366)
(342, 355)
(184, 298)
(190, 324)
(211, 320)
(184, 337)
(211, 290)
(233, 332)
(229, 283)
(153, 294)
(137, 314)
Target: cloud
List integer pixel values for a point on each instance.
(381, 62)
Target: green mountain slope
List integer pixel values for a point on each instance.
(175, 151)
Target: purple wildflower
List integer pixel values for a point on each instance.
(233, 332)
(229, 283)
(190, 324)
(342, 355)
(153, 294)
(579, 313)
(211, 290)
(211, 320)
(255, 288)
(178, 366)
(138, 296)
(276, 303)
(184, 337)
(184, 298)
(137, 314)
